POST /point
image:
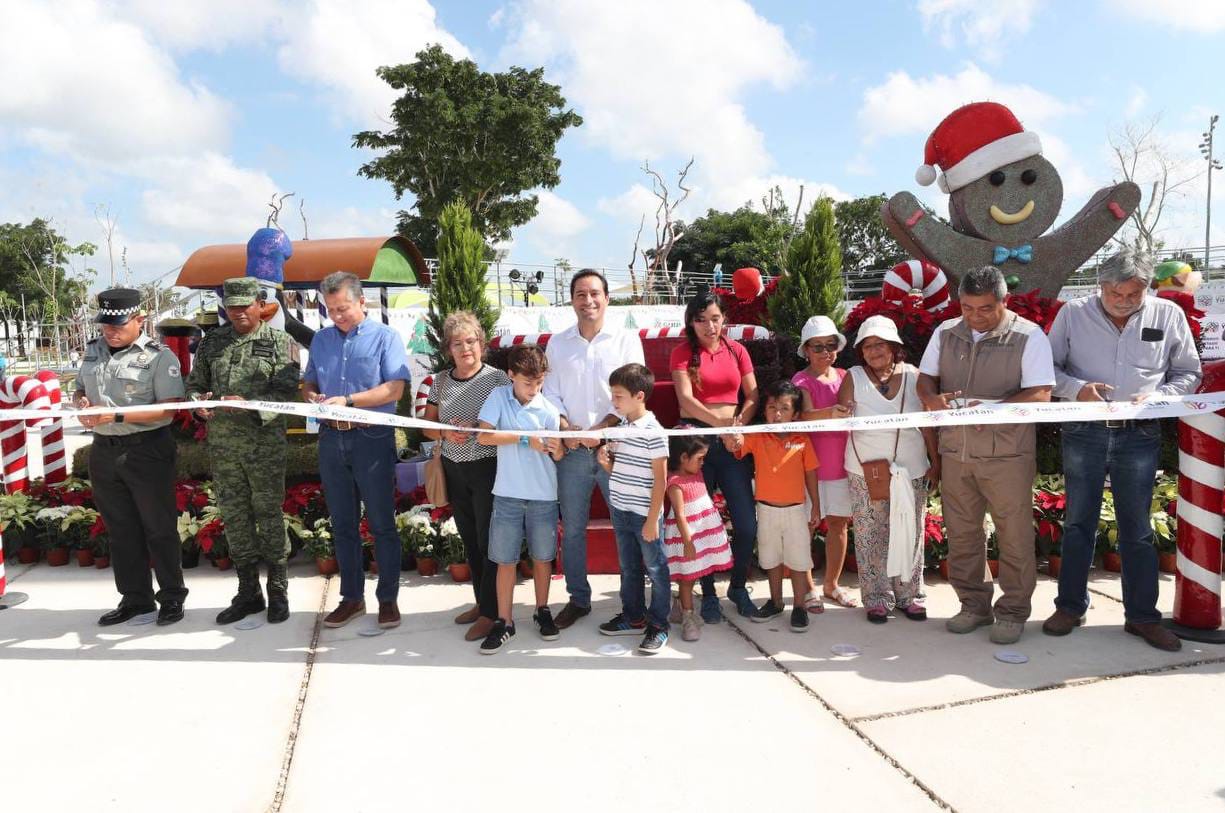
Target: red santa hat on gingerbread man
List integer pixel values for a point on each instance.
(973, 141)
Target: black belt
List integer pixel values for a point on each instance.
(134, 439)
(1130, 423)
(343, 426)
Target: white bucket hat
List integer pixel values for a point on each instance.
(880, 326)
(819, 326)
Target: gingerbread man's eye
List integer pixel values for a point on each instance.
(997, 178)
(1028, 177)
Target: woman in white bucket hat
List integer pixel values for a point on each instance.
(889, 531)
(820, 344)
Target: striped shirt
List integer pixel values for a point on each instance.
(459, 401)
(632, 477)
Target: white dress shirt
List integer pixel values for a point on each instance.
(577, 383)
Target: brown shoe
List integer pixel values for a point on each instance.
(479, 629)
(389, 615)
(1061, 622)
(469, 615)
(569, 614)
(1155, 635)
(345, 612)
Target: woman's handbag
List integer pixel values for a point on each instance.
(876, 473)
(435, 478)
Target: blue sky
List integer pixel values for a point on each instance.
(182, 118)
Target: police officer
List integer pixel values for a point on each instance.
(248, 359)
(131, 460)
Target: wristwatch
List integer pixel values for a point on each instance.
(118, 417)
(525, 441)
(348, 400)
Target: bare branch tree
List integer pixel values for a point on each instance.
(1146, 160)
(102, 214)
(666, 231)
(302, 211)
(276, 204)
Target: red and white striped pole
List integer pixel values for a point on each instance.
(740, 333)
(55, 462)
(29, 393)
(1201, 489)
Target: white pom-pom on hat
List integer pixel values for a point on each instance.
(925, 175)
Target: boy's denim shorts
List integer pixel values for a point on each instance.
(512, 520)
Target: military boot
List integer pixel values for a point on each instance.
(250, 598)
(278, 599)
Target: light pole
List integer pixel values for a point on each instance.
(1205, 147)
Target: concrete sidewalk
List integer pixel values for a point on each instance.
(296, 717)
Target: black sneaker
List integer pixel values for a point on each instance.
(620, 626)
(543, 619)
(766, 612)
(799, 619)
(655, 640)
(497, 637)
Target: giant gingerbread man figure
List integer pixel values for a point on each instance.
(1003, 196)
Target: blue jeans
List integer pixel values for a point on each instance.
(1129, 456)
(735, 479)
(358, 467)
(635, 555)
(578, 474)
(513, 520)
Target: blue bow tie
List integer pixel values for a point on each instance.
(1022, 254)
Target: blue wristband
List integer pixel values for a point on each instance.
(525, 441)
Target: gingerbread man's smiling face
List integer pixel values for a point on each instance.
(1011, 205)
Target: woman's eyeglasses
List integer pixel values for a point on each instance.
(822, 348)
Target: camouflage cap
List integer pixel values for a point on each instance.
(239, 292)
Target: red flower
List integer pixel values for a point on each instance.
(417, 496)
(98, 528)
(363, 528)
(209, 532)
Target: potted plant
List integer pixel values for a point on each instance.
(455, 555)
(1107, 542)
(993, 546)
(935, 546)
(101, 541)
(189, 526)
(1050, 506)
(53, 523)
(17, 513)
(211, 537)
(317, 541)
(1163, 519)
(418, 532)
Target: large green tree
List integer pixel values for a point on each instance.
(458, 283)
(866, 243)
(812, 284)
(748, 236)
(35, 269)
(463, 134)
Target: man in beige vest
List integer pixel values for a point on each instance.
(988, 355)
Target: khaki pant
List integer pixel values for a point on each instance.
(1003, 485)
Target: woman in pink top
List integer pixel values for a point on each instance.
(710, 373)
(820, 343)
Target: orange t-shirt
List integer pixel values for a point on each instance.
(780, 464)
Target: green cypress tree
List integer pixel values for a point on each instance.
(812, 283)
(459, 280)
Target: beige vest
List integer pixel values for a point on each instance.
(989, 369)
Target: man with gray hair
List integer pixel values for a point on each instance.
(1121, 345)
(358, 362)
(988, 355)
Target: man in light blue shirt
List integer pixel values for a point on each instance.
(1122, 345)
(358, 362)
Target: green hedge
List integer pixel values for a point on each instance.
(193, 463)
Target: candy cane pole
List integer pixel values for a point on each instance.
(19, 391)
(1201, 485)
(55, 463)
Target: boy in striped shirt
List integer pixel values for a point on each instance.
(638, 469)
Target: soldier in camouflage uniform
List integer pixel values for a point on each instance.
(248, 359)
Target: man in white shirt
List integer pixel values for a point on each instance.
(988, 355)
(581, 358)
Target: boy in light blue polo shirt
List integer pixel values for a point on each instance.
(524, 490)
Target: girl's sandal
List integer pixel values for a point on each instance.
(842, 597)
(813, 604)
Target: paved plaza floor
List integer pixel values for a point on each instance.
(297, 717)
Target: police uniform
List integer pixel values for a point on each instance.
(131, 465)
(248, 449)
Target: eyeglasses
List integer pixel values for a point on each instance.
(822, 348)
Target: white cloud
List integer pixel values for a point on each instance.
(558, 217)
(207, 195)
(82, 83)
(212, 25)
(980, 24)
(338, 45)
(647, 93)
(631, 204)
(1136, 101)
(905, 105)
(1198, 16)
(752, 189)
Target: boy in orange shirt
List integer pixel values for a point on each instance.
(786, 467)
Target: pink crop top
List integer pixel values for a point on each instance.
(721, 371)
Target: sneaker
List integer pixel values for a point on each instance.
(1004, 631)
(966, 621)
(620, 626)
(571, 613)
(345, 612)
(543, 619)
(674, 616)
(389, 615)
(740, 597)
(691, 627)
(1061, 622)
(712, 613)
(799, 619)
(655, 640)
(497, 637)
(766, 611)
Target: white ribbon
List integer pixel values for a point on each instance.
(903, 524)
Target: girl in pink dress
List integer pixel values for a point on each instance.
(695, 541)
